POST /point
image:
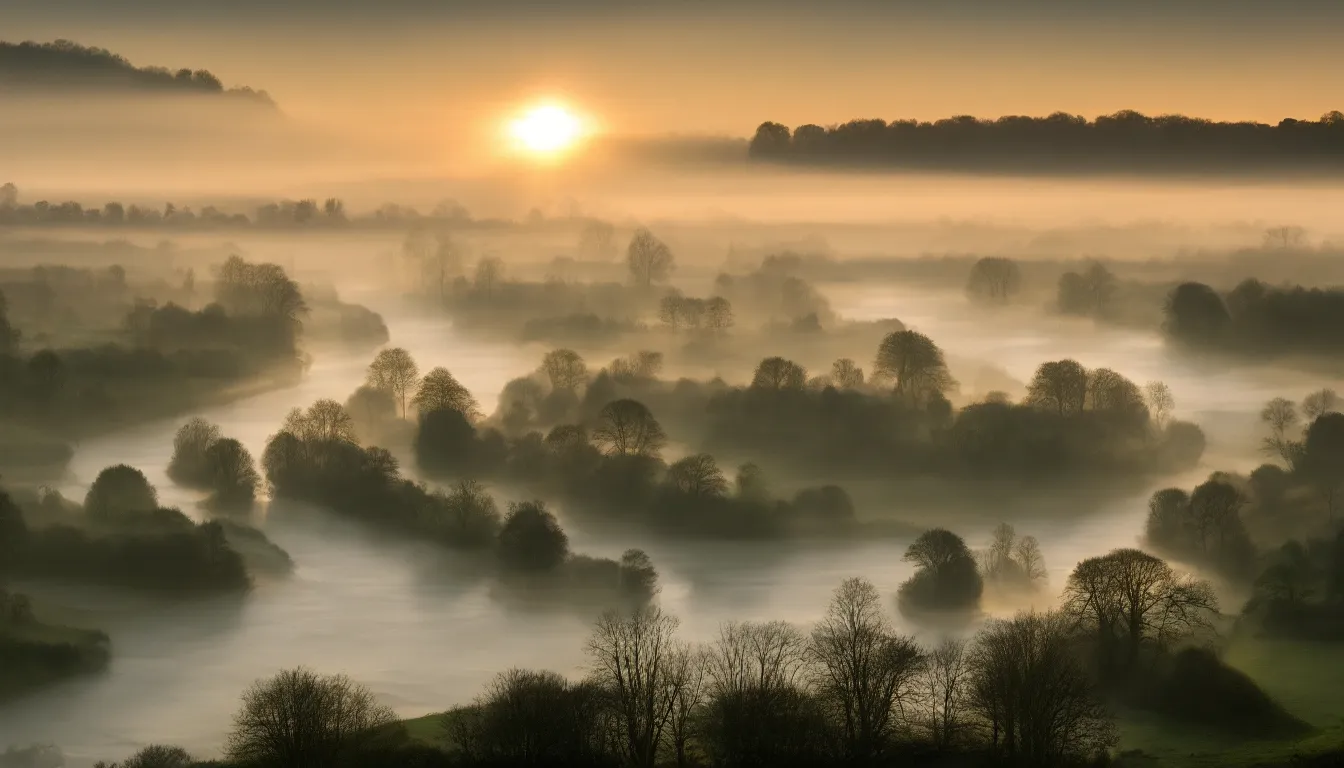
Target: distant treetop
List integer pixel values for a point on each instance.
(1126, 140)
(63, 64)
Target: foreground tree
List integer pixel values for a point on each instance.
(300, 719)
(155, 756)
(395, 371)
(1129, 598)
(1038, 702)
(863, 669)
(632, 657)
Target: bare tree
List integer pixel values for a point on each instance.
(649, 259)
(1285, 237)
(440, 390)
(687, 675)
(1280, 414)
(565, 369)
(597, 241)
(1131, 597)
(1035, 700)
(864, 670)
(1160, 402)
(718, 315)
(765, 658)
(945, 679)
(698, 475)
(1319, 403)
(395, 371)
(627, 428)
(845, 374)
(324, 420)
(634, 657)
(300, 719)
(489, 274)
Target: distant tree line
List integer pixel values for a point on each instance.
(1122, 141)
(1255, 318)
(63, 64)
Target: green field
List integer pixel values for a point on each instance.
(1306, 678)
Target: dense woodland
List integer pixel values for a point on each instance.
(1125, 141)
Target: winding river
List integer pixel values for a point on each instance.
(382, 612)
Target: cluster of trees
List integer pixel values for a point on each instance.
(315, 458)
(206, 460)
(33, 654)
(1030, 690)
(1257, 319)
(63, 64)
(611, 464)
(776, 292)
(994, 280)
(1121, 141)
(120, 536)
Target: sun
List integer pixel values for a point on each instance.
(547, 129)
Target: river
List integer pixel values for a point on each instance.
(382, 612)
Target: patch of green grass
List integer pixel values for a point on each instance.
(427, 730)
(1307, 679)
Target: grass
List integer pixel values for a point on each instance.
(427, 730)
(1307, 679)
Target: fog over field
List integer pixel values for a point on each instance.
(299, 381)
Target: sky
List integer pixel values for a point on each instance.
(696, 66)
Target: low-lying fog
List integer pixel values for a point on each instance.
(382, 612)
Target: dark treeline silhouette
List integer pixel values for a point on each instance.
(1257, 319)
(1125, 141)
(59, 65)
(34, 654)
(315, 458)
(1039, 689)
(121, 536)
(595, 440)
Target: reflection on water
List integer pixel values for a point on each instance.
(383, 612)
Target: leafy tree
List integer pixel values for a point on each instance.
(439, 390)
(531, 539)
(648, 258)
(1319, 403)
(1195, 314)
(627, 428)
(300, 719)
(718, 315)
(946, 577)
(915, 363)
(235, 479)
(776, 373)
(324, 421)
(395, 371)
(1323, 458)
(120, 490)
(1060, 386)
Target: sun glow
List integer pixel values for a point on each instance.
(548, 129)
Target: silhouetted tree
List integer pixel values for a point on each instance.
(994, 279)
(845, 374)
(395, 371)
(627, 428)
(776, 373)
(648, 258)
(1196, 315)
(531, 539)
(439, 390)
(631, 657)
(946, 577)
(299, 719)
(120, 490)
(565, 369)
(189, 465)
(1060, 386)
(863, 669)
(697, 475)
(914, 362)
